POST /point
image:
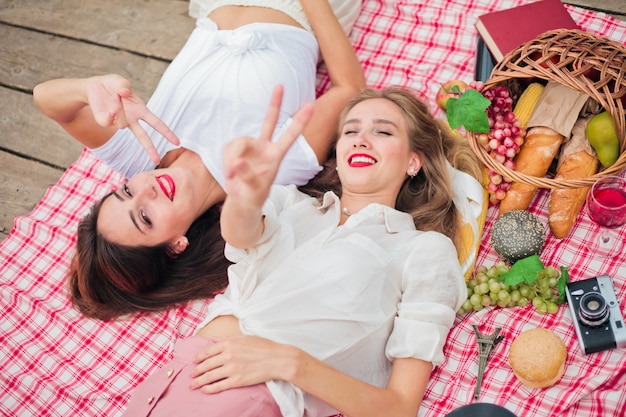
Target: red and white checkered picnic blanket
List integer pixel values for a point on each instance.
(54, 362)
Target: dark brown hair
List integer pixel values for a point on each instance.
(108, 280)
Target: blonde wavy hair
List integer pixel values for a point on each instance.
(428, 195)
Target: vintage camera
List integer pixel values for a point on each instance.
(595, 311)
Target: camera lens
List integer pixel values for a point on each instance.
(593, 309)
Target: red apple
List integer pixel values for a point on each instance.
(450, 89)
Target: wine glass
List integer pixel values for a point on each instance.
(606, 206)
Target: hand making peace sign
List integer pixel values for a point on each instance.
(113, 103)
(251, 165)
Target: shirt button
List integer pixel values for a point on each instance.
(150, 399)
(169, 373)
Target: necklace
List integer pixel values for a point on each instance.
(346, 211)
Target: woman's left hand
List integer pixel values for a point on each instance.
(238, 361)
(113, 103)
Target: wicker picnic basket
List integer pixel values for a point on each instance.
(564, 56)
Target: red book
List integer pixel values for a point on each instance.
(505, 30)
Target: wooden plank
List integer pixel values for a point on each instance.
(23, 130)
(26, 132)
(22, 185)
(28, 58)
(155, 28)
(615, 8)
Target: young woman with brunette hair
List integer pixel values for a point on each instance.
(147, 237)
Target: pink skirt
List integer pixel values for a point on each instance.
(166, 393)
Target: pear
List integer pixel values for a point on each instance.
(602, 136)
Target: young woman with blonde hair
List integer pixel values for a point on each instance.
(335, 304)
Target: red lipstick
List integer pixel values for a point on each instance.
(167, 186)
(359, 160)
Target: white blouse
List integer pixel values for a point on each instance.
(346, 10)
(355, 296)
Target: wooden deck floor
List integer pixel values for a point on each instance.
(45, 39)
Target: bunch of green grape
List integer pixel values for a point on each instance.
(484, 290)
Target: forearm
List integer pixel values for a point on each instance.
(344, 68)
(233, 362)
(355, 398)
(61, 99)
(66, 102)
(241, 223)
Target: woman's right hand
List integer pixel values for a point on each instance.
(250, 167)
(114, 104)
(251, 164)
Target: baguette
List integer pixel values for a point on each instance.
(564, 204)
(540, 147)
(577, 160)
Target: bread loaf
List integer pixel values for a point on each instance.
(577, 160)
(540, 147)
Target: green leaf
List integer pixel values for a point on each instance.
(469, 111)
(563, 281)
(456, 89)
(524, 270)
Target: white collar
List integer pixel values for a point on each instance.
(395, 221)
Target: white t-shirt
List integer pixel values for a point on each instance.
(355, 296)
(218, 88)
(346, 11)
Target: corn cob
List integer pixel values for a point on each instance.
(527, 103)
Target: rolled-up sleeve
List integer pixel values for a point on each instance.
(433, 289)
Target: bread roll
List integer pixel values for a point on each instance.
(537, 357)
(540, 147)
(577, 160)
(565, 204)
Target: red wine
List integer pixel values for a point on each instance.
(611, 197)
(607, 207)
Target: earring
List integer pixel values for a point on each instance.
(412, 173)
